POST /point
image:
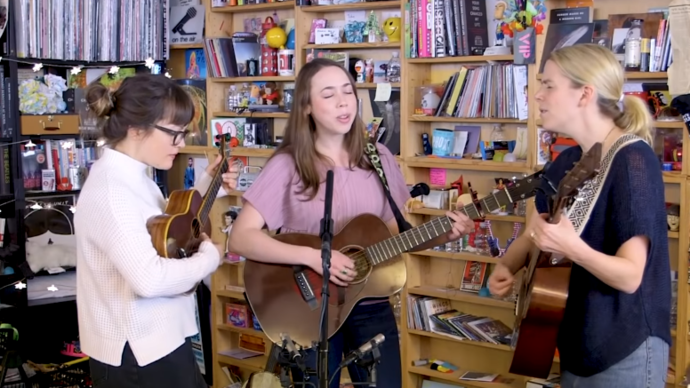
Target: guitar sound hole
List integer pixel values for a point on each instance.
(362, 265)
(196, 228)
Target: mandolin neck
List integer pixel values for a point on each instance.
(410, 239)
(212, 192)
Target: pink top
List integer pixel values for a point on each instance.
(355, 192)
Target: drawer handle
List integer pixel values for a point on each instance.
(51, 127)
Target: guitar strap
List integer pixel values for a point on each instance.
(581, 210)
(373, 154)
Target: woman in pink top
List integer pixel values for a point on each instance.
(324, 132)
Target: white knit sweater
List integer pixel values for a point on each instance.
(125, 291)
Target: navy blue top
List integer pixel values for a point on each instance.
(602, 325)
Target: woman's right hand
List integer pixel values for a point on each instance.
(501, 281)
(342, 267)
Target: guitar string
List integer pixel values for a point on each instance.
(490, 201)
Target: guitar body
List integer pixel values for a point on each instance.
(544, 290)
(175, 233)
(541, 305)
(277, 302)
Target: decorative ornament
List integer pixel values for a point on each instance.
(20, 286)
(76, 70)
(150, 62)
(114, 70)
(37, 67)
(168, 75)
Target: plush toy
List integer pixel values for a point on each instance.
(45, 256)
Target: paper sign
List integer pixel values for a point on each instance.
(524, 47)
(437, 177)
(383, 91)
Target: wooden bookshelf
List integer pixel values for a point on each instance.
(429, 272)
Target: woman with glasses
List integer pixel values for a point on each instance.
(136, 309)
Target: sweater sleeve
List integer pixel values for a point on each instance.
(129, 247)
(270, 192)
(637, 193)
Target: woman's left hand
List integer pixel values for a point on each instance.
(557, 238)
(229, 178)
(462, 225)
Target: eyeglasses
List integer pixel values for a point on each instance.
(177, 136)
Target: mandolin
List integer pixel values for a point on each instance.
(176, 233)
(544, 291)
(286, 299)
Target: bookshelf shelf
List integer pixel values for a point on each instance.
(458, 256)
(430, 334)
(480, 120)
(353, 46)
(362, 5)
(252, 79)
(462, 296)
(274, 115)
(455, 378)
(185, 46)
(252, 152)
(466, 164)
(467, 59)
(251, 8)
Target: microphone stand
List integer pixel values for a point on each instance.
(326, 238)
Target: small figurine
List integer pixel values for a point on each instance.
(369, 71)
(359, 68)
(270, 95)
(371, 29)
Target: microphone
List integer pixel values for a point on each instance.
(178, 29)
(295, 356)
(362, 350)
(419, 189)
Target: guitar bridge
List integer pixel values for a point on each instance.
(306, 290)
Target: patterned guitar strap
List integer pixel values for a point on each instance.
(375, 159)
(581, 210)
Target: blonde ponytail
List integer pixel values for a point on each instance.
(636, 118)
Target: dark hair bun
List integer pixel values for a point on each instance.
(100, 99)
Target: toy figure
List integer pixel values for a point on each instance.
(361, 74)
(371, 29)
(499, 14)
(270, 95)
(369, 71)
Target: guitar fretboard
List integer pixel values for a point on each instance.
(212, 192)
(403, 242)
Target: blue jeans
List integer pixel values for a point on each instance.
(365, 322)
(646, 367)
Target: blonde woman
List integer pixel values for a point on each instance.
(616, 328)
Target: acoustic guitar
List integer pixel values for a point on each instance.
(286, 299)
(176, 233)
(544, 291)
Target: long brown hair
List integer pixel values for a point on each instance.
(300, 133)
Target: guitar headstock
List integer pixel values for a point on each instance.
(583, 170)
(526, 187)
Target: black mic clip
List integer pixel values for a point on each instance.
(294, 354)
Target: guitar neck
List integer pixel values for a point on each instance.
(212, 191)
(403, 242)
